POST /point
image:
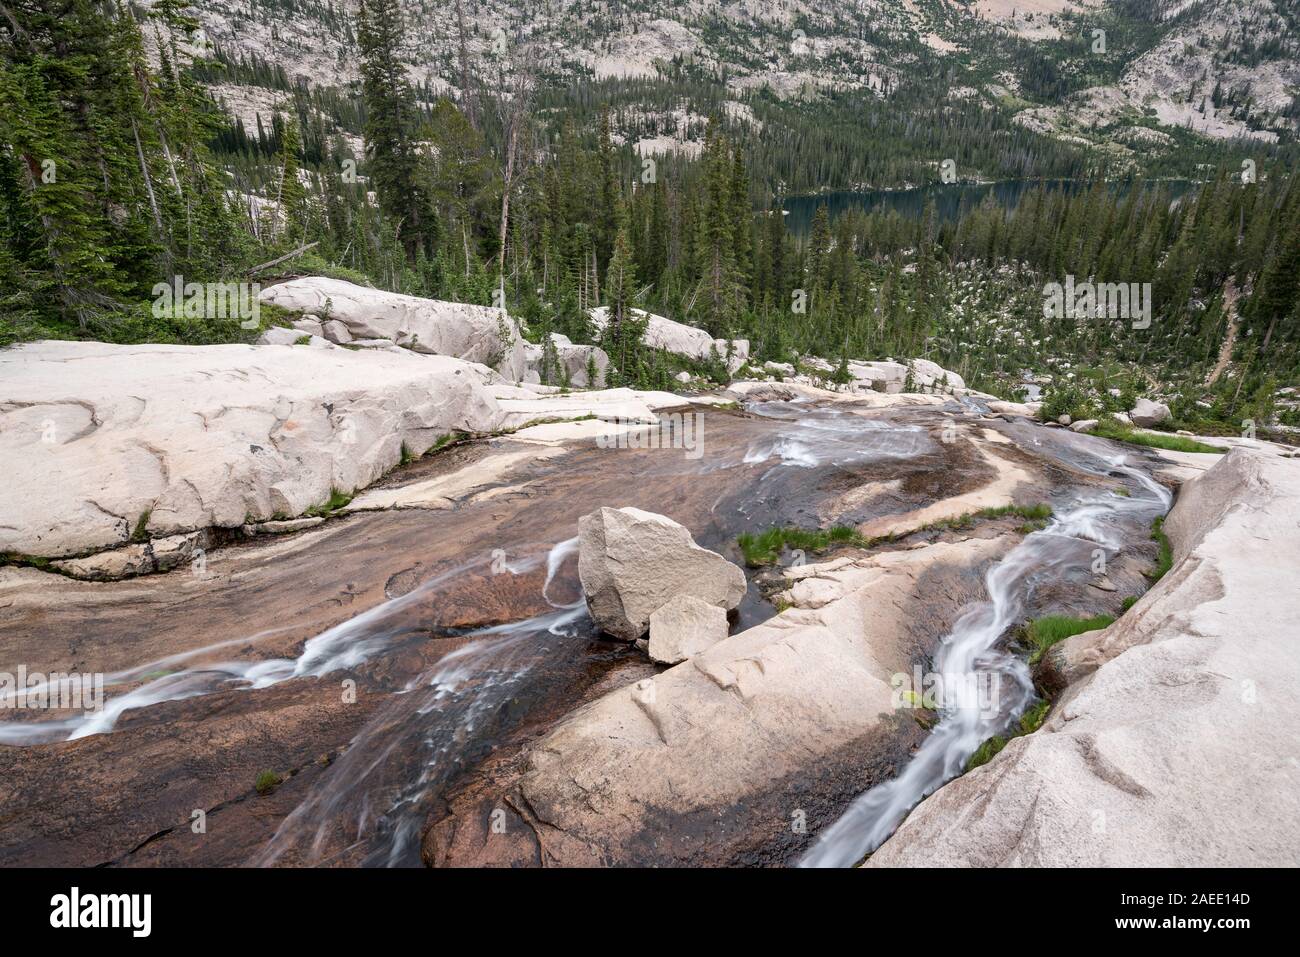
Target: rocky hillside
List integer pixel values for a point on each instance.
(1222, 69)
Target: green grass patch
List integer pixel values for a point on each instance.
(765, 547)
(1165, 559)
(267, 781)
(335, 502)
(1042, 633)
(1114, 429)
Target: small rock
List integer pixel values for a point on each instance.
(1063, 419)
(683, 628)
(336, 331)
(279, 336)
(1084, 425)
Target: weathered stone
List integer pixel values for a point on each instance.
(631, 563)
(684, 340)
(1146, 413)
(1084, 425)
(336, 331)
(683, 628)
(180, 438)
(428, 326)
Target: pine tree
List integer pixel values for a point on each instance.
(393, 158)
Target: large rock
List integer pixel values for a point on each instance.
(573, 363)
(631, 563)
(105, 443)
(475, 333)
(1180, 748)
(1146, 413)
(683, 628)
(892, 377)
(683, 340)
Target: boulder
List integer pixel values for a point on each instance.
(683, 340)
(1084, 425)
(683, 628)
(631, 563)
(159, 440)
(1146, 413)
(336, 331)
(573, 362)
(1174, 745)
(476, 333)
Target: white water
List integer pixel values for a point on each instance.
(344, 646)
(971, 650)
(377, 794)
(834, 436)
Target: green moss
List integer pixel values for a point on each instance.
(1129, 602)
(267, 781)
(1042, 633)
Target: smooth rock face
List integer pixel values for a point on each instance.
(1180, 749)
(475, 333)
(1146, 413)
(683, 628)
(632, 563)
(188, 437)
(683, 340)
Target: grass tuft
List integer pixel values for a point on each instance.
(267, 781)
(1042, 633)
(765, 547)
(1165, 560)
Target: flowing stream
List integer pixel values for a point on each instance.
(373, 801)
(372, 798)
(969, 662)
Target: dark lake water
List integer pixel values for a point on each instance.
(948, 200)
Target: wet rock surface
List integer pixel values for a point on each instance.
(430, 600)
